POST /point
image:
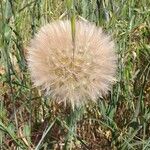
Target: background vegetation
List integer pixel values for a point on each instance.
(119, 121)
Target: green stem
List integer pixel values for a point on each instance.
(72, 16)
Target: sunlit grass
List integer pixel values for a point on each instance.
(121, 120)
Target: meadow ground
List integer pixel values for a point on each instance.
(119, 121)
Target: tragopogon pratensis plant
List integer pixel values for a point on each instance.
(87, 76)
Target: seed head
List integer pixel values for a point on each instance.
(86, 75)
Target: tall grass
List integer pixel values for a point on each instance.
(119, 121)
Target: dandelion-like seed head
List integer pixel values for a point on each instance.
(75, 78)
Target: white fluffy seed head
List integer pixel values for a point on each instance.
(86, 76)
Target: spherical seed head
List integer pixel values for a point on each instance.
(75, 78)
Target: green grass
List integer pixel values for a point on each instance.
(119, 121)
